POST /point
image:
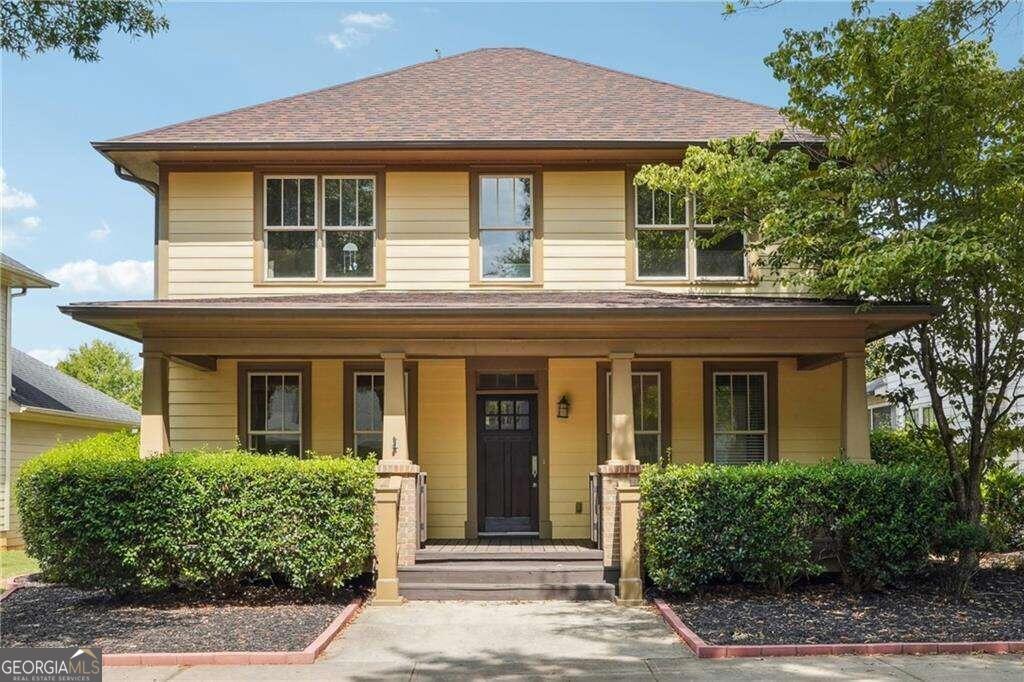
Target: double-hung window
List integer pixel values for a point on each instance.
(290, 227)
(661, 234)
(275, 412)
(647, 415)
(506, 227)
(740, 417)
(673, 242)
(881, 417)
(320, 228)
(350, 225)
(368, 414)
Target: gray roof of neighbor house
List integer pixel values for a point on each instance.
(35, 384)
(491, 97)
(15, 274)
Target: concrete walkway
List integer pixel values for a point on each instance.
(596, 640)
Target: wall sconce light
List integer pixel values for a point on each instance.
(563, 407)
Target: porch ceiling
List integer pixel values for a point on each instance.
(503, 315)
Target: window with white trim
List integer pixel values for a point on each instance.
(368, 412)
(309, 237)
(290, 227)
(275, 412)
(646, 415)
(881, 417)
(740, 417)
(506, 227)
(673, 243)
(350, 226)
(662, 234)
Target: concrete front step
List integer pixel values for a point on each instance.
(506, 592)
(503, 572)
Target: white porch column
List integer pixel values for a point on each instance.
(396, 430)
(153, 434)
(856, 440)
(395, 466)
(623, 445)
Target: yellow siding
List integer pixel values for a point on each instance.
(32, 438)
(210, 234)
(427, 230)
(810, 412)
(5, 340)
(584, 230)
(210, 226)
(202, 406)
(687, 412)
(572, 446)
(442, 445)
(328, 414)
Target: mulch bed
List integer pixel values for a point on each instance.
(257, 619)
(823, 611)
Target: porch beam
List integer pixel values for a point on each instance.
(266, 347)
(153, 433)
(202, 363)
(623, 445)
(806, 363)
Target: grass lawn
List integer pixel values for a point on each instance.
(16, 562)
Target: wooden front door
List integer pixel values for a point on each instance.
(507, 463)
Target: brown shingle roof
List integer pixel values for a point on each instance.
(493, 96)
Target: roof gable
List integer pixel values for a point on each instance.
(490, 96)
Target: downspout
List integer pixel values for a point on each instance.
(154, 189)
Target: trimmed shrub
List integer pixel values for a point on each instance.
(761, 524)
(1003, 491)
(95, 515)
(908, 446)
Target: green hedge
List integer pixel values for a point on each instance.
(95, 515)
(773, 524)
(920, 447)
(1003, 491)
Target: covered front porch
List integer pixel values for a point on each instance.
(506, 414)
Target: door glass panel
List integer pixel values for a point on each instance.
(491, 407)
(506, 407)
(522, 423)
(507, 422)
(491, 423)
(522, 407)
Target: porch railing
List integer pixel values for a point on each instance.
(421, 507)
(595, 509)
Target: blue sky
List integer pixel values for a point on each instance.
(68, 215)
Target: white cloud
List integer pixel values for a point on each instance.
(376, 22)
(31, 222)
(19, 233)
(50, 356)
(123, 276)
(12, 197)
(101, 232)
(359, 28)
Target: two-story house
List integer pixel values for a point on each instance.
(449, 265)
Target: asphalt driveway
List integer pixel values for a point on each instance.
(596, 640)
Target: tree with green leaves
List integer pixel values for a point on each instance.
(106, 368)
(35, 26)
(910, 188)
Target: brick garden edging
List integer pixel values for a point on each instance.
(307, 655)
(702, 649)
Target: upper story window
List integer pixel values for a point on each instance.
(506, 227)
(309, 238)
(672, 243)
(290, 215)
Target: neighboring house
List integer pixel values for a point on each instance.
(39, 406)
(882, 413)
(48, 407)
(449, 265)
